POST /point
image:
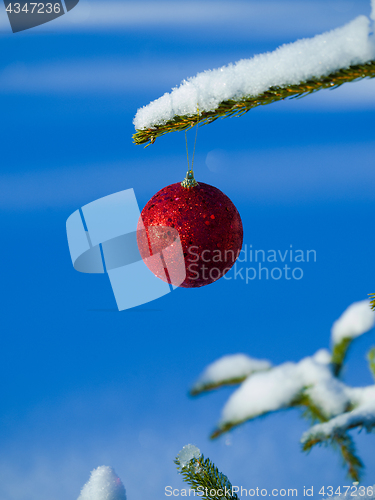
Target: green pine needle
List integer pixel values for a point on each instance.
(311, 411)
(372, 303)
(371, 361)
(234, 107)
(348, 452)
(204, 477)
(210, 387)
(350, 458)
(339, 353)
(343, 441)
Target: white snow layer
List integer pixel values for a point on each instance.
(289, 64)
(279, 387)
(227, 368)
(104, 484)
(357, 319)
(187, 453)
(363, 416)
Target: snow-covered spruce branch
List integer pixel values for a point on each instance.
(238, 107)
(228, 370)
(312, 384)
(353, 322)
(293, 70)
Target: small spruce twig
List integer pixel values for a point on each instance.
(241, 106)
(339, 352)
(310, 410)
(371, 361)
(196, 391)
(348, 452)
(343, 441)
(372, 302)
(205, 478)
(347, 448)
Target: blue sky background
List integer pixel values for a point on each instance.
(84, 385)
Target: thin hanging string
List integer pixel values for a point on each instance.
(187, 151)
(195, 144)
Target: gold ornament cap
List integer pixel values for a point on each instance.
(189, 181)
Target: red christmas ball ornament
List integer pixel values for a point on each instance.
(207, 224)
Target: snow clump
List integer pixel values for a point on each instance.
(357, 319)
(187, 453)
(104, 484)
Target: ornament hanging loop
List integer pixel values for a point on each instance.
(189, 181)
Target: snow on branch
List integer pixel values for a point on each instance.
(355, 321)
(188, 453)
(310, 381)
(305, 66)
(335, 431)
(228, 370)
(104, 484)
(363, 417)
(311, 384)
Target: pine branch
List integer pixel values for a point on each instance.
(229, 426)
(311, 411)
(232, 369)
(348, 452)
(343, 441)
(240, 107)
(312, 384)
(339, 352)
(195, 391)
(372, 303)
(204, 477)
(347, 448)
(371, 361)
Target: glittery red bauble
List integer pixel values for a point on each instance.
(208, 225)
